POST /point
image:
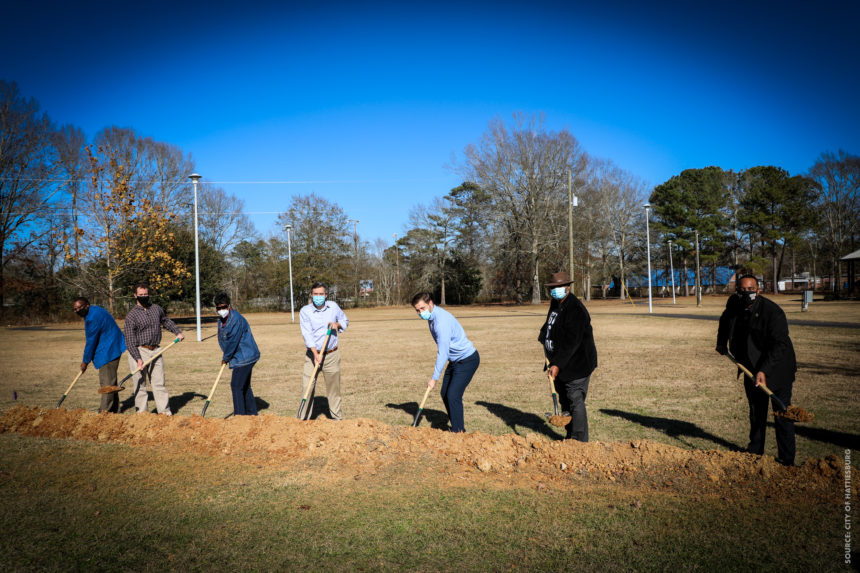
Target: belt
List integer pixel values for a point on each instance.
(149, 347)
(330, 350)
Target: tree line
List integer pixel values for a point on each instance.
(94, 215)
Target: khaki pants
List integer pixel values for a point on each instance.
(331, 372)
(154, 373)
(107, 377)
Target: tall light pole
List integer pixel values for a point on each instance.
(572, 202)
(648, 248)
(672, 270)
(290, 259)
(194, 179)
(355, 242)
(397, 267)
(698, 275)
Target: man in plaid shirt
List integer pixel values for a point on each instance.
(143, 337)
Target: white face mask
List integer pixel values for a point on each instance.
(223, 312)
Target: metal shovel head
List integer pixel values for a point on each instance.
(109, 389)
(558, 420)
(795, 414)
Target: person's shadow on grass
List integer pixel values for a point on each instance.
(513, 418)
(673, 428)
(436, 418)
(175, 403)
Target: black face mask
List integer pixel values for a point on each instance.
(143, 300)
(82, 312)
(747, 297)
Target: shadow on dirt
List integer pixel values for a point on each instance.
(839, 439)
(677, 429)
(176, 403)
(513, 418)
(437, 419)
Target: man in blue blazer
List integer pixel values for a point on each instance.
(105, 345)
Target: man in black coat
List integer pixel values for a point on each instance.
(756, 331)
(568, 343)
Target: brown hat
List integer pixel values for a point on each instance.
(559, 279)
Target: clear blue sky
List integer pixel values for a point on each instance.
(365, 103)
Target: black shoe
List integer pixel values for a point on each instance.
(786, 463)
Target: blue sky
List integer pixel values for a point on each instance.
(365, 103)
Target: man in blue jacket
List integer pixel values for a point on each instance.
(105, 345)
(240, 352)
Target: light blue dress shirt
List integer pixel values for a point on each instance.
(314, 324)
(450, 338)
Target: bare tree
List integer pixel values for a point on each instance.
(525, 171)
(27, 170)
(221, 220)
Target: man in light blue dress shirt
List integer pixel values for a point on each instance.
(315, 320)
(454, 349)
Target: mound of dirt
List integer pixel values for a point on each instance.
(353, 449)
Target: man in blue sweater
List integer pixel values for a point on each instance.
(239, 351)
(454, 349)
(105, 345)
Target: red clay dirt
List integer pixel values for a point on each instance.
(358, 448)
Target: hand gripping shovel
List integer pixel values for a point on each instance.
(313, 381)
(793, 413)
(108, 389)
(70, 388)
(556, 419)
(420, 408)
(212, 392)
(552, 391)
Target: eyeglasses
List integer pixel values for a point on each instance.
(222, 307)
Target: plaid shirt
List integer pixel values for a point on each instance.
(143, 327)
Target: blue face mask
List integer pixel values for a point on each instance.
(319, 299)
(558, 293)
(425, 315)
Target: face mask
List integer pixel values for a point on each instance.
(319, 299)
(83, 311)
(425, 314)
(558, 293)
(223, 312)
(144, 300)
(748, 297)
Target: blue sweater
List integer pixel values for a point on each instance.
(236, 341)
(105, 342)
(450, 338)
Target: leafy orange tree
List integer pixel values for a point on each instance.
(127, 237)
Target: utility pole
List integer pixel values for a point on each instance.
(672, 270)
(571, 203)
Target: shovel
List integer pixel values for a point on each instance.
(313, 381)
(209, 399)
(553, 392)
(70, 388)
(793, 413)
(108, 389)
(420, 408)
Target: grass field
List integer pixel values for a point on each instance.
(83, 505)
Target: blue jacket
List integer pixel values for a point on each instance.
(236, 341)
(105, 342)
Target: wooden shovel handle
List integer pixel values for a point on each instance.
(424, 399)
(70, 388)
(313, 379)
(752, 377)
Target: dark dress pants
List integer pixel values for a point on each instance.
(107, 377)
(759, 414)
(244, 403)
(457, 376)
(572, 395)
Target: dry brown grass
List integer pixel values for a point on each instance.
(659, 377)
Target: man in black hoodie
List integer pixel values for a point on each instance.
(756, 331)
(569, 348)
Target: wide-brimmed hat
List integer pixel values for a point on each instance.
(559, 279)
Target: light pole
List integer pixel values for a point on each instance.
(397, 267)
(698, 275)
(194, 179)
(572, 202)
(290, 259)
(672, 270)
(648, 248)
(355, 242)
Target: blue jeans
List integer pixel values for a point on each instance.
(457, 376)
(244, 403)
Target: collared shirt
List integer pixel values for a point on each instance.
(314, 324)
(143, 327)
(451, 342)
